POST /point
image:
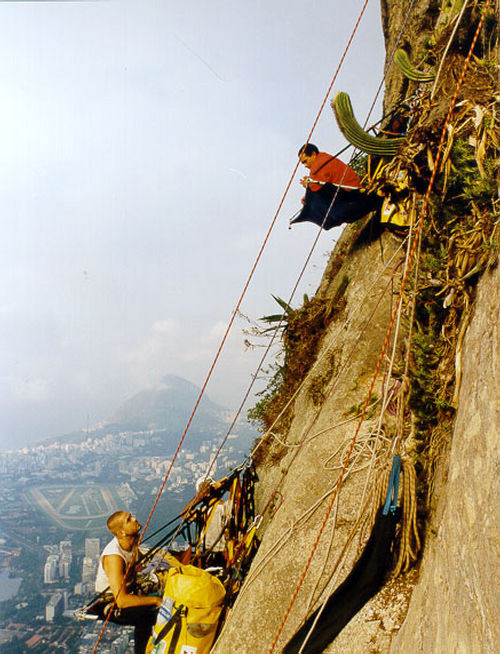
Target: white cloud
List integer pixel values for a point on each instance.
(217, 331)
(84, 382)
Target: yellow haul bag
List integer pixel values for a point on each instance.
(396, 213)
(188, 618)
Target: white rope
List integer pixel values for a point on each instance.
(324, 353)
(450, 41)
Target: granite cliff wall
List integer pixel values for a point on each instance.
(448, 600)
(454, 607)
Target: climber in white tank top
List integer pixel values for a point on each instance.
(130, 609)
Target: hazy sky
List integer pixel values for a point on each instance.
(145, 147)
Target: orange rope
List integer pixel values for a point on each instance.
(391, 323)
(245, 288)
(311, 251)
(338, 377)
(308, 258)
(235, 312)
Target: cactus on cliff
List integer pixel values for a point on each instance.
(402, 61)
(355, 134)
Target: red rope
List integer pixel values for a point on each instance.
(391, 323)
(245, 288)
(338, 377)
(308, 258)
(311, 251)
(235, 312)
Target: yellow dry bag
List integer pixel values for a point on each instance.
(188, 617)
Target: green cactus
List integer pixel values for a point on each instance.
(355, 134)
(404, 64)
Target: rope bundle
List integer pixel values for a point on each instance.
(407, 543)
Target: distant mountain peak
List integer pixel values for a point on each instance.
(169, 404)
(166, 407)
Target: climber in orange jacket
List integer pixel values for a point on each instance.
(332, 191)
(325, 168)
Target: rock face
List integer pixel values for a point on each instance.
(405, 25)
(451, 603)
(314, 449)
(313, 534)
(454, 607)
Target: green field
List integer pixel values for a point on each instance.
(76, 507)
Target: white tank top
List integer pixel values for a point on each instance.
(113, 547)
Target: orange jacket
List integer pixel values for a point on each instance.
(329, 169)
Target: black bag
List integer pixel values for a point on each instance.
(363, 582)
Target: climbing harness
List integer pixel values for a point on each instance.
(308, 180)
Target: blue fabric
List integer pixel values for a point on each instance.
(391, 500)
(348, 206)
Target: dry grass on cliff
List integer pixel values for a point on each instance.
(301, 338)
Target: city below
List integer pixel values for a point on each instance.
(56, 499)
